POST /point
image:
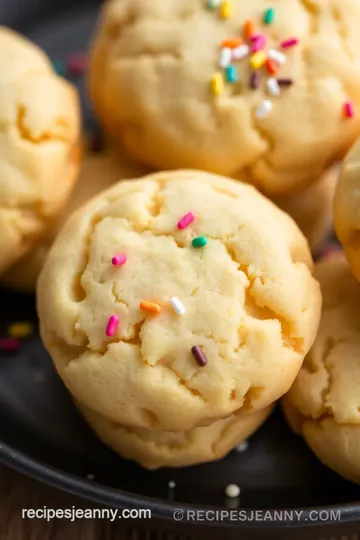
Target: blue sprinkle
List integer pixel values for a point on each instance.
(231, 74)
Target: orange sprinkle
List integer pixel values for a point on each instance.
(232, 43)
(248, 29)
(150, 307)
(271, 66)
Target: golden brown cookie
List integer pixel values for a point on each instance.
(323, 405)
(98, 172)
(347, 208)
(250, 303)
(39, 144)
(162, 84)
(154, 449)
(312, 208)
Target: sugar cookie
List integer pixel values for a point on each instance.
(323, 405)
(39, 144)
(183, 85)
(251, 304)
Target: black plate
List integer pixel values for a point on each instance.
(42, 434)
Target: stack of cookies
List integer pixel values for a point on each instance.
(180, 306)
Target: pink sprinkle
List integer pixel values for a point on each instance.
(349, 109)
(258, 42)
(76, 64)
(112, 325)
(186, 220)
(9, 344)
(119, 260)
(289, 43)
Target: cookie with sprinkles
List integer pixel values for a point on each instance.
(195, 102)
(211, 314)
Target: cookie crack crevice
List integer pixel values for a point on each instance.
(26, 134)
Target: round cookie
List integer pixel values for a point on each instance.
(347, 208)
(154, 449)
(323, 405)
(251, 302)
(97, 173)
(39, 144)
(151, 81)
(312, 208)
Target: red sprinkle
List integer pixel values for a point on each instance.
(76, 64)
(186, 220)
(9, 344)
(289, 43)
(112, 325)
(349, 109)
(119, 260)
(271, 66)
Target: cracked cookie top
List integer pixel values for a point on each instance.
(98, 171)
(161, 83)
(248, 301)
(329, 381)
(39, 138)
(347, 208)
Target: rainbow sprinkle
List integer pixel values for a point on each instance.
(258, 42)
(186, 220)
(269, 16)
(226, 9)
(199, 242)
(150, 307)
(119, 260)
(231, 74)
(112, 325)
(20, 330)
(289, 43)
(199, 355)
(349, 109)
(9, 344)
(177, 306)
(258, 60)
(217, 84)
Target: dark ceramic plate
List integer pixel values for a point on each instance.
(42, 435)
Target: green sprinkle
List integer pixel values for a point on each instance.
(269, 16)
(199, 241)
(213, 4)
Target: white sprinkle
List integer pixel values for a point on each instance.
(242, 447)
(273, 86)
(263, 109)
(172, 484)
(177, 306)
(90, 476)
(77, 326)
(232, 490)
(278, 56)
(225, 57)
(240, 52)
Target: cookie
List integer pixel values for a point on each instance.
(39, 145)
(173, 81)
(251, 304)
(347, 208)
(98, 172)
(323, 405)
(154, 449)
(312, 208)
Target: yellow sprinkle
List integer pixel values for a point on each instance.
(226, 9)
(217, 84)
(20, 330)
(150, 307)
(258, 60)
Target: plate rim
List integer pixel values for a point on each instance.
(160, 509)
